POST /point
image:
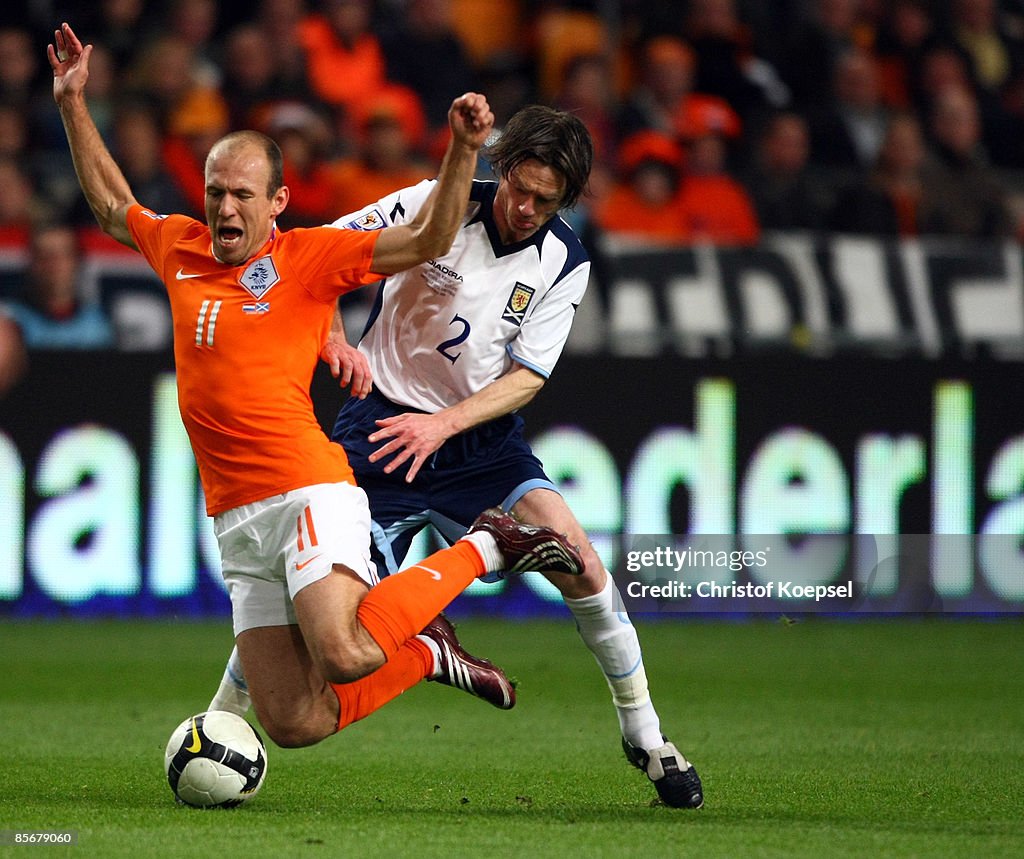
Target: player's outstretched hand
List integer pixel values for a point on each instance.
(406, 436)
(70, 63)
(349, 366)
(471, 119)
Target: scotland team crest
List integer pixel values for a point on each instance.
(518, 302)
(259, 276)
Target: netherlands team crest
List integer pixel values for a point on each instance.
(259, 276)
(518, 302)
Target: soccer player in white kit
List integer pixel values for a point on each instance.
(454, 347)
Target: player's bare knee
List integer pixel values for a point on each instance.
(591, 581)
(348, 660)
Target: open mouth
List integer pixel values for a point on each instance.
(229, 236)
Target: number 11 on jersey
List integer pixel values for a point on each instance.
(205, 326)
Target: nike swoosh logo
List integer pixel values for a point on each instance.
(182, 276)
(434, 574)
(196, 742)
(305, 563)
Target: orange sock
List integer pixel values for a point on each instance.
(402, 604)
(405, 669)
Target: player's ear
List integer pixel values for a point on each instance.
(280, 200)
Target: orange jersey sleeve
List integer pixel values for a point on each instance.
(246, 342)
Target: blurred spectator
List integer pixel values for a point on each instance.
(249, 82)
(715, 207)
(701, 114)
(19, 68)
(24, 90)
(306, 139)
(390, 129)
(194, 126)
(727, 61)
(906, 33)
(664, 99)
(18, 205)
(942, 68)
(118, 26)
(279, 22)
(892, 200)
(194, 22)
(344, 60)
(969, 199)
(787, 192)
(13, 357)
(14, 137)
(994, 54)
(507, 81)
(588, 92)
(491, 31)
(828, 29)
(848, 133)
(666, 80)
(560, 33)
(137, 145)
(260, 72)
(644, 202)
(49, 309)
(165, 73)
(424, 52)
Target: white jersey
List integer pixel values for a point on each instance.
(443, 330)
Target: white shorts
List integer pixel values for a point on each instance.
(271, 549)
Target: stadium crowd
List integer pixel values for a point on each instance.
(714, 120)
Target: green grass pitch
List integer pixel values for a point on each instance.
(817, 738)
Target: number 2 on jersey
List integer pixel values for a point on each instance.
(445, 347)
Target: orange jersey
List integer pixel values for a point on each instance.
(246, 342)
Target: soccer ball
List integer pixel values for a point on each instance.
(215, 760)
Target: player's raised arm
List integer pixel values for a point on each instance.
(105, 188)
(433, 230)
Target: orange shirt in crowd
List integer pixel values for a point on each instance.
(246, 342)
(338, 74)
(718, 209)
(625, 213)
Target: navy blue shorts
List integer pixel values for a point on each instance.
(488, 466)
